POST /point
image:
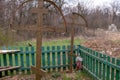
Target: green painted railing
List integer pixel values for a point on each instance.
(55, 58)
(101, 66)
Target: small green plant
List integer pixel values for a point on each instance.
(78, 76)
(65, 77)
(56, 75)
(82, 75)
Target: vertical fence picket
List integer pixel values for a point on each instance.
(33, 55)
(108, 69)
(96, 64)
(5, 60)
(79, 51)
(100, 66)
(10, 59)
(113, 70)
(91, 61)
(27, 59)
(64, 57)
(87, 64)
(85, 60)
(16, 60)
(22, 59)
(43, 58)
(0, 60)
(88, 61)
(53, 57)
(68, 48)
(58, 58)
(87, 49)
(104, 68)
(48, 57)
(117, 71)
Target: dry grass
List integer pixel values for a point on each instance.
(54, 76)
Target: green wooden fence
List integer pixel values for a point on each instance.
(55, 58)
(101, 66)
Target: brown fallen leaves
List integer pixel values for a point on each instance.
(109, 47)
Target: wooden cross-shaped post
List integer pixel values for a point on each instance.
(72, 44)
(72, 37)
(40, 11)
(39, 29)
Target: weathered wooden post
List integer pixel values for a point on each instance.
(72, 37)
(40, 10)
(37, 70)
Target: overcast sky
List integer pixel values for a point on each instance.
(95, 2)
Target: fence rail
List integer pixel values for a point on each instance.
(101, 66)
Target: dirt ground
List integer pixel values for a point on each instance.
(107, 42)
(53, 76)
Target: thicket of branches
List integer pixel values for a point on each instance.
(99, 17)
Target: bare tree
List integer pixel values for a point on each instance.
(115, 7)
